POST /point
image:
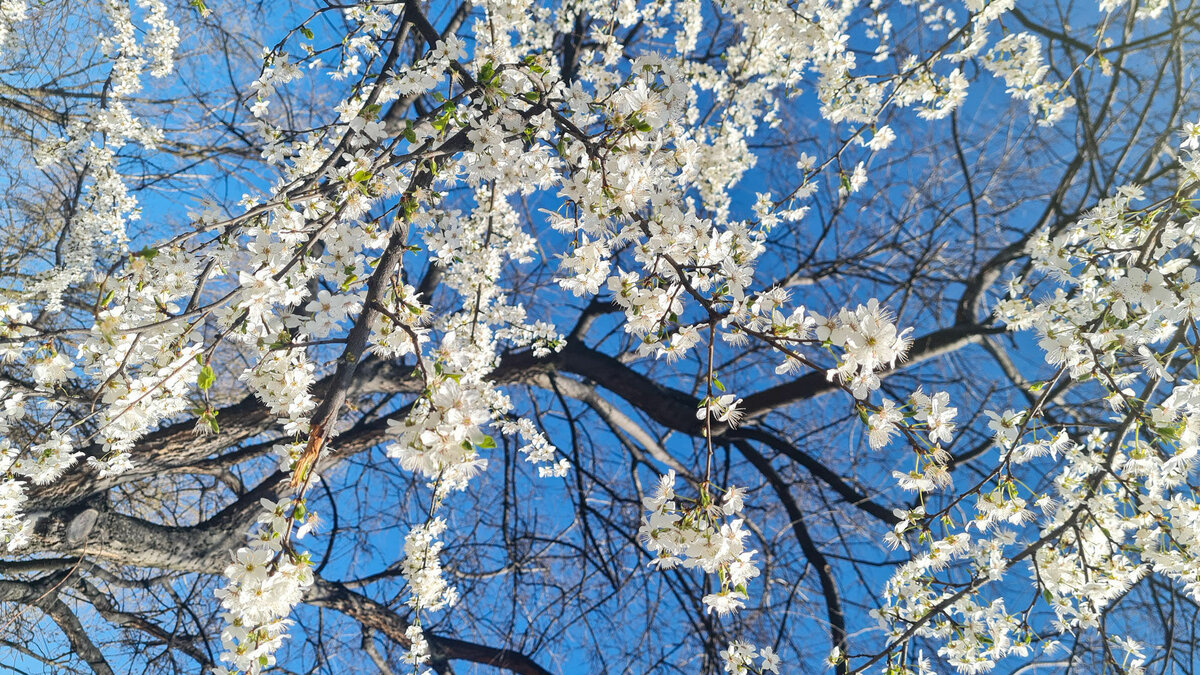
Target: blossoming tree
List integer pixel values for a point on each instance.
(745, 336)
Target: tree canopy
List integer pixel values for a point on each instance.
(580, 336)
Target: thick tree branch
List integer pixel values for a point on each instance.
(374, 616)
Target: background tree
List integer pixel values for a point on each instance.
(575, 337)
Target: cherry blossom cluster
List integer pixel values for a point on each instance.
(265, 581)
(926, 422)
(697, 533)
(423, 570)
(869, 341)
(439, 438)
(14, 529)
(11, 12)
(1017, 59)
(742, 658)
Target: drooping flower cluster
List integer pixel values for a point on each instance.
(14, 529)
(265, 581)
(438, 440)
(11, 12)
(1017, 59)
(699, 534)
(422, 569)
(926, 422)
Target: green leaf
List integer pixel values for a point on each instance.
(487, 443)
(531, 61)
(306, 32)
(206, 378)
